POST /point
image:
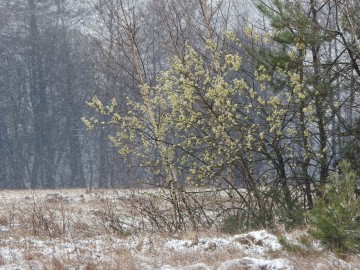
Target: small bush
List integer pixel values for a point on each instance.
(231, 224)
(336, 214)
(290, 218)
(288, 245)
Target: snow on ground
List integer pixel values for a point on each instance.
(254, 263)
(64, 230)
(253, 243)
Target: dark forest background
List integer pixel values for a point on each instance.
(57, 54)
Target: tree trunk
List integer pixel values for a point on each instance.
(42, 174)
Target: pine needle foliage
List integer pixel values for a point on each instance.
(336, 216)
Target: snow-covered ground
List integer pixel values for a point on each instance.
(66, 230)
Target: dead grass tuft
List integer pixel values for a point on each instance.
(57, 264)
(2, 261)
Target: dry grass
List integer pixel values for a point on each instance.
(77, 229)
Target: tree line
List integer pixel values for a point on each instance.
(47, 73)
(224, 94)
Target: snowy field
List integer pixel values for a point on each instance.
(75, 229)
